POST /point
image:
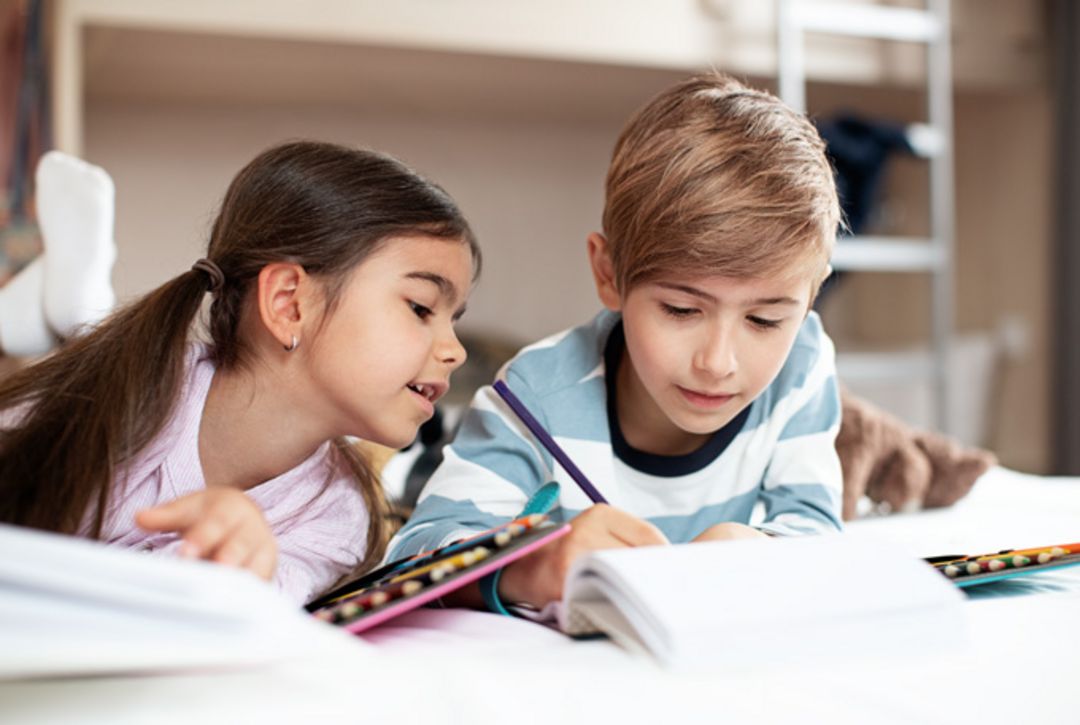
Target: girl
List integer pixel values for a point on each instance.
(336, 277)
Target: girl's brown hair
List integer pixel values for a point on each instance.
(713, 178)
(88, 409)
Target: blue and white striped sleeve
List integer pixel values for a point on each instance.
(803, 485)
(488, 473)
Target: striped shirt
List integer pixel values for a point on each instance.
(773, 466)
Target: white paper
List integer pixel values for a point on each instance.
(761, 599)
(70, 606)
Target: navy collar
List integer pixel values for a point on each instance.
(652, 463)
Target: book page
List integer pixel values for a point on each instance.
(69, 606)
(749, 596)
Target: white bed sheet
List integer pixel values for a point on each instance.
(456, 666)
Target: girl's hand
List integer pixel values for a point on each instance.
(218, 524)
(728, 531)
(538, 578)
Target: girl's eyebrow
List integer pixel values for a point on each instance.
(446, 287)
(761, 302)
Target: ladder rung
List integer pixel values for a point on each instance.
(887, 254)
(868, 21)
(901, 366)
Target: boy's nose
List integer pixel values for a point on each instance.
(717, 355)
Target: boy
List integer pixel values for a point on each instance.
(706, 387)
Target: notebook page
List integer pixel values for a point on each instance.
(70, 606)
(92, 571)
(823, 591)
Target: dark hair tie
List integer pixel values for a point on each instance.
(217, 277)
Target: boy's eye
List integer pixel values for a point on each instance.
(763, 323)
(678, 312)
(419, 310)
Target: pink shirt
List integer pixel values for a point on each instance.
(320, 537)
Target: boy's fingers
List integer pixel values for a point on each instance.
(608, 527)
(172, 516)
(638, 534)
(633, 531)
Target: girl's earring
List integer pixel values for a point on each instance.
(292, 345)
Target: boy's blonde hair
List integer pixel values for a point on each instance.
(714, 178)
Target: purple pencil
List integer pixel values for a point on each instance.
(548, 442)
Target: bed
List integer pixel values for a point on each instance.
(1015, 664)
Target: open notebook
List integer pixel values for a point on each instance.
(69, 606)
(757, 600)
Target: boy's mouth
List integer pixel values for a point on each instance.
(705, 400)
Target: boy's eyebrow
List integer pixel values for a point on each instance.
(760, 302)
(766, 301)
(687, 289)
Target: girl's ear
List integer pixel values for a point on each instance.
(285, 300)
(603, 272)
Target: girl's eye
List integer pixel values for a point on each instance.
(419, 310)
(677, 312)
(763, 323)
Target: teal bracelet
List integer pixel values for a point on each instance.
(489, 590)
(540, 503)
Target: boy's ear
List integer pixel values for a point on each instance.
(603, 272)
(284, 298)
(816, 290)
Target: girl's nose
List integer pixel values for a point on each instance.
(450, 351)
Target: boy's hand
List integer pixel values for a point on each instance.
(217, 524)
(729, 531)
(538, 578)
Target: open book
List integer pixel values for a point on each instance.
(70, 606)
(759, 600)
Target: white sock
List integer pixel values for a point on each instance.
(75, 203)
(23, 330)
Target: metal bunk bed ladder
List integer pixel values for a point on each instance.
(932, 255)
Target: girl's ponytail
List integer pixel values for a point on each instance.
(82, 413)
